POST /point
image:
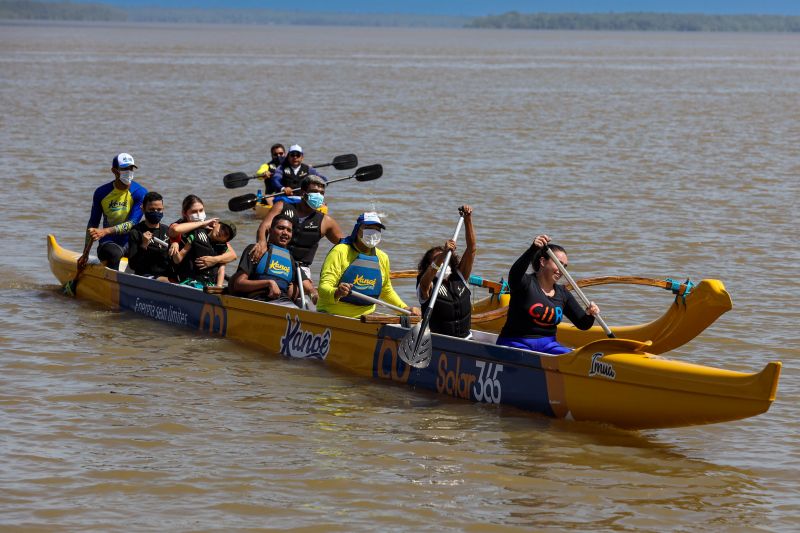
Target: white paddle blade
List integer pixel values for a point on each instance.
(421, 356)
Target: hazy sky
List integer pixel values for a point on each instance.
(482, 7)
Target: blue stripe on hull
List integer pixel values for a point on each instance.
(173, 304)
(468, 370)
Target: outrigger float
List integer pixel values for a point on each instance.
(614, 381)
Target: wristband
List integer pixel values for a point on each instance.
(435, 267)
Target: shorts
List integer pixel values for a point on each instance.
(547, 345)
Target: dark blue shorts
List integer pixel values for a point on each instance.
(539, 344)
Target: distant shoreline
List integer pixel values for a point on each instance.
(29, 10)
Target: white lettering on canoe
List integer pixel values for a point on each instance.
(164, 313)
(304, 344)
(599, 368)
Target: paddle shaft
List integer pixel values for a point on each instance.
(298, 189)
(439, 278)
(380, 302)
(300, 284)
(578, 291)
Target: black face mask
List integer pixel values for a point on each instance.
(153, 217)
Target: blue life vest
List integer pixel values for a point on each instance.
(365, 275)
(277, 265)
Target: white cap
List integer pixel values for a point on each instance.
(296, 148)
(370, 218)
(123, 161)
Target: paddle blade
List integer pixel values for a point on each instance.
(242, 203)
(416, 347)
(345, 162)
(70, 288)
(236, 180)
(368, 173)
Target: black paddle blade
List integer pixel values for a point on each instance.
(368, 173)
(242, 203)
(345, 162)
(236, 180)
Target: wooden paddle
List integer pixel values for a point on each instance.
(248, 201)
(578, 291)
(415, 348)
(340, 162)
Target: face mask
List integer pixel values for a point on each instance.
(153, 217)
(126, 176)
(197, 217)
(371, 237)
(314, 200)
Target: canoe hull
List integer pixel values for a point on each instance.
(611, 381)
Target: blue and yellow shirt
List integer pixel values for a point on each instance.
(121, 208)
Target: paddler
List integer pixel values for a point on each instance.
(119, 203)
(538, 303)
(149, 242)
(266, 170)
(272, 277)
(309, 226)
(290, 173)
(452, 313)
(358, 264)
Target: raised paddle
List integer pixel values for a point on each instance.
(415, 348)
(340, 162)
(578, 291)
(248, 201)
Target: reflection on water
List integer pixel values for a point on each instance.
(658, 155)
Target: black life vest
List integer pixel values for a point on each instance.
(452, 314)
(305, 235)
(202, 245)
(290, 179)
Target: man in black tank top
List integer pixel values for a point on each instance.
(310, 225)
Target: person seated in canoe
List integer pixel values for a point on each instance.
(309, 226)
(452, 312)
(119, 203)
(193, 210)
(271, 278)
(266, 170)
(358, 264)
(149, 243)
(538, 303)
(290, 174)
(203, 244)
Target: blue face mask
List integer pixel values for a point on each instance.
(315, 199)
(154, 217)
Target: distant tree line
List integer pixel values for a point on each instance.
(639, 22)
(29, 10)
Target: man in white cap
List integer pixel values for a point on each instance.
(119, 203)
(291, 172)
(356, 264)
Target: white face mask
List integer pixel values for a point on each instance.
(197, 217)
(371, 237)
(126, 176)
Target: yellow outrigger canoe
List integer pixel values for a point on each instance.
(611, 381)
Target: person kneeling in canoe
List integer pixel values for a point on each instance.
(201, 246)
(356, 264)
(538, 303)
(272, 277)
(308, 227)
(452, 313)
(149, 243)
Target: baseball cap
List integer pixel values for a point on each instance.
(296, 148)
(123, 160)
(369, 218)
(231, 227)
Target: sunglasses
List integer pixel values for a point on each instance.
(295, 154)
